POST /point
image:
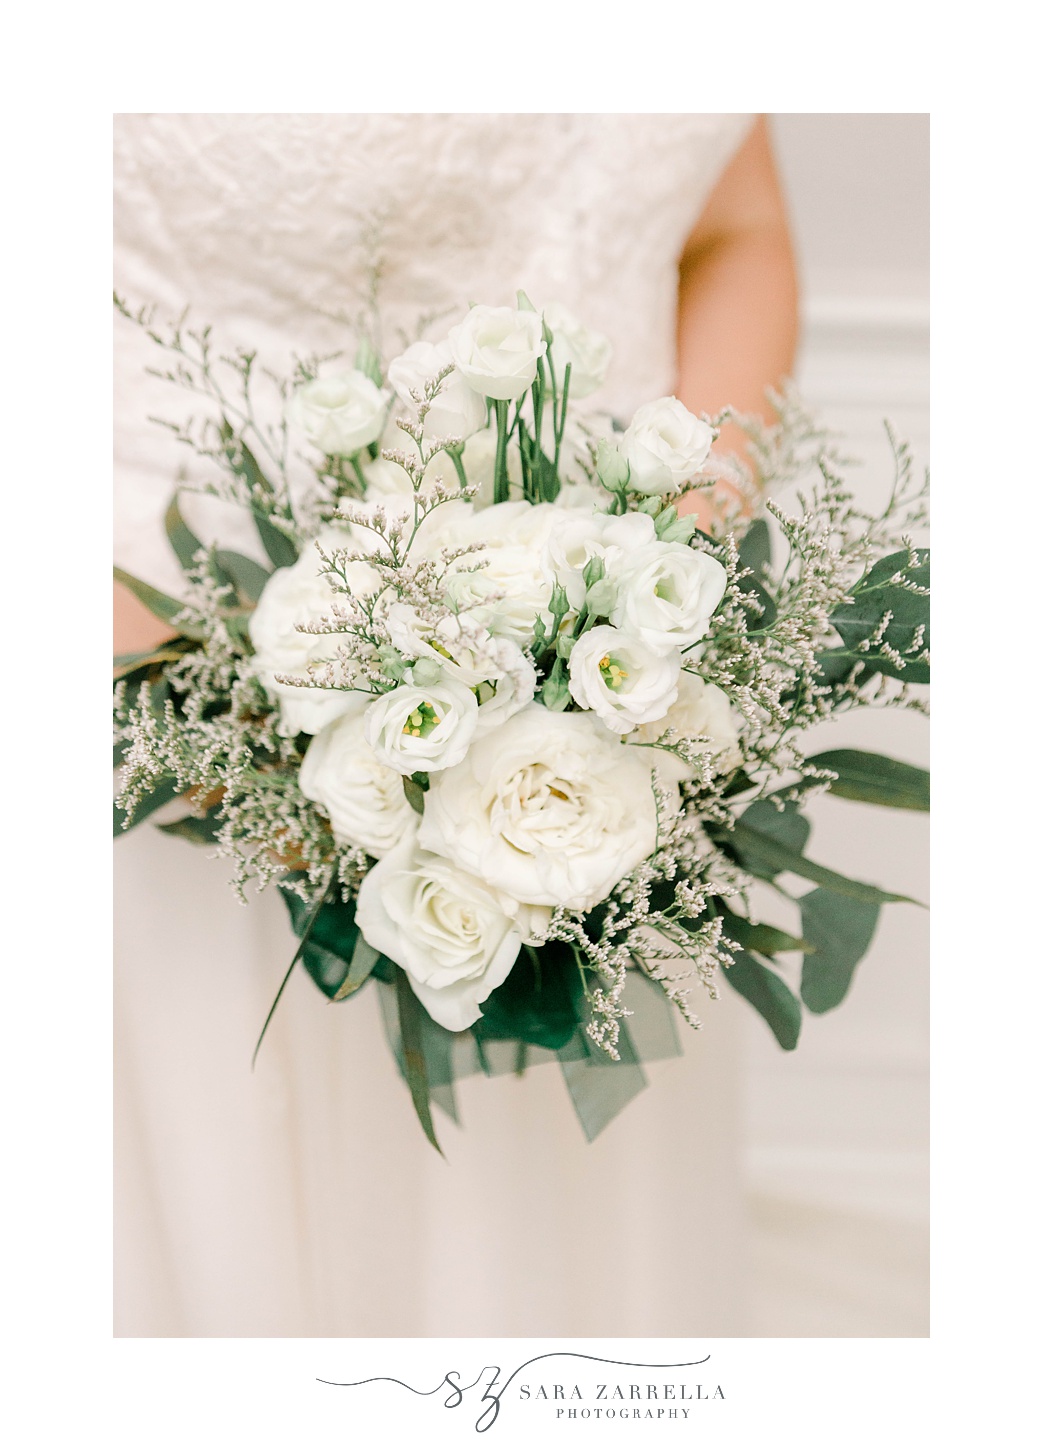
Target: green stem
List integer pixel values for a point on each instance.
(501, 485)
(456, 455)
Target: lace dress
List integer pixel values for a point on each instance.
(302, 1198)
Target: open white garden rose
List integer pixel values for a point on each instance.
(446, 929)
(550, 808)
(510, 587)
(457, 410)
(620, 679)
(667, 594)
(342, 413)
(664, 446)
(422, 728)
(292, 597)
(497, 350)
(362, 797)
(701, 709)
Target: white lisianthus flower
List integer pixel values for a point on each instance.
(297, 596)
(667, 594)
(448, 930)
(576, 541)
(497, 349)
(422, 728)
(589, 353)
(457, 411)
(362, 797)
(664, 446)
(460, 648)
(550, 809)
(617, 677)
(701, 710)
(342, 413)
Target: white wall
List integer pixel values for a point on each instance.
(837, 1157)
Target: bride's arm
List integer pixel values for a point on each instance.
(737, 295)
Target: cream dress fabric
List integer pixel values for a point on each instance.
(302, 1199)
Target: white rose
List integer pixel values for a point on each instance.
(701, 709)
(617, 677)
(550, 809)
(422, 728)
(575, 542)
(664, 446)
(457, 411)
(362, 797)
(297, 596)
(590, 353)
(667, 594)
(340, 414)
(497, 349)
(446, 929)
(509, 588)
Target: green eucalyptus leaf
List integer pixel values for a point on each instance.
(163, 606)
(755, 548)
(765, 855)
(873, 596)
(184, 543)
(787, 826)
(540, 1001)
(841, 930)
(279, 548)
(766, 991)
(200, 830)
(248, 577)
(866, 776)
(759, 936)
(410, 1020)
(160, 795)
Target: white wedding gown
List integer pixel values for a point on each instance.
(302, 1199)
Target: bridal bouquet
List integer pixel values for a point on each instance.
(513, 736)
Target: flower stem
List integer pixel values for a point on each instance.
(501, 485)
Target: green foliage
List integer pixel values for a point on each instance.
(759, 936)
(766, 991)
(161, 795)
(410, 1019)
(763, 855)
(163, 606)
(541, 1000)
(246, 575)
(897, 588)
(201, 830)
(867, 776)
(841, 930)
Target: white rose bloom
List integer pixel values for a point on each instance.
(664, 446)
(340, 414)
(576, 541)
(457, 411)
(590, 353)
(422, 728)
(550, 809)
(446, 929)
(667, 594)
(297, 596)
(617, 677)
(497, 349)
(701, 709)
(510, 587)
(362, 797)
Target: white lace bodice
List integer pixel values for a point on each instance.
(268, 226)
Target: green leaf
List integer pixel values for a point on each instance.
(127, 665)
(410, 1019)
(765, 854)
(766, 991)
(540, 1001)
(163, 606)
(755, 548)
(248, 577)
(201, 830)
(363, 960)
(866, 776)
(841, 930)
(787, 826)
(182, 540)
(331, 944)
(759, 936)
(874, 596)
(280, 549)
(414, 795)
(161, 795)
